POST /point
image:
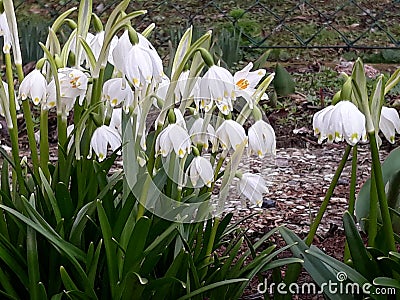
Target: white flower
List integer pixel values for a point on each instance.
(5, 31)
(73, 84)
(246, 82)
(96, 43)
(161, 90)
(116, 119)
(117, 91)
(217, 85)
(33, 86)
(101, 138)
(340, 122)
(201, 169)
(261, 139)
(230, 134)
(201, 136)
(252, 186)
(180, 120)
(173, 137)
(389, 123)
(155, 58)
(140, 62)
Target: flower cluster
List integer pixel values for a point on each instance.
(203, 125)
(344, 121)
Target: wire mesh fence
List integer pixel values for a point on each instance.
(290, 24)
(258, 24)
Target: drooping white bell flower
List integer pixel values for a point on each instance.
(116, 119)
(252, 186)
(230, 134)
(96, 42)
(389, 123)
(201, 134)
(120, 52)
(201, 172)
(180, 120)
(6, 33)
(117, 91)
(161, 90)
(246, 82)
(101, 138)
(73, 84)
(155, 58)
(33, 86)
(340, 122)
(217, 85)
(261, 139)
(173, 138)
(140, 62)
(319, 126)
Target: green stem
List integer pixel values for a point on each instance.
(380, 186)
(13, 128)
(328, 195)
(97, 86)
(216, 172)
(152, 155)
(352, 196)
(44, 142)
(353, 181)
(373, 212)
(62, 144)
(169, 190)
(29, 126)
(143, 197)
(211, 240)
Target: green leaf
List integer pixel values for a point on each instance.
(390, 167)
(110, 247)
(182, 48)
(9, 290)
(64, 201)
(69, 284)
(281, 262)
(283, 81)
(359, 255)
(351, 273)
(33, 260)
(388, 282)
(11, 260)
(314, 266)
(377, 99)
(92, 265)
(392, 81)
(133, 286)
(89, 53)
(210, 287)
(164, 288)
(51, 196)
(80, 222)
(359, 82)
(136, 245)
(5, 179)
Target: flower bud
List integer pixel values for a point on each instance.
(171, 116)
(98, 26)
(206, 57)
